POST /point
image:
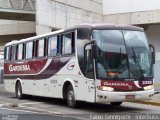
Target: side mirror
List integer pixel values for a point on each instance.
(94, 55)
(152, 49)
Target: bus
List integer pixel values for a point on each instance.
(96, 63)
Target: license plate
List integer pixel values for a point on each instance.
(130, 97)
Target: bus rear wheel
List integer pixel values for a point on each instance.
(71, 97)
(19, 93)
(116, 103)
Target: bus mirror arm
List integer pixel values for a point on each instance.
(94, 56)
(152, 49)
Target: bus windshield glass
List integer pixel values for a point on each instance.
(122, 54)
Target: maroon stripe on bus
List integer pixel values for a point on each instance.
(55, 65)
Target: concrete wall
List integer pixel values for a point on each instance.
(125, 6)
(18, 4)
(16, 10)
(7, 38)
(53, 14)
(15, 30)
(134, 18)
(131, 11)
(8, 27)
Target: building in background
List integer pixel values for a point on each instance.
(55, 14)
(25, 18)
(17, 20)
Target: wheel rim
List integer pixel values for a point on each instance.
(71, 97)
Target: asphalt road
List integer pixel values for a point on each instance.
(47, 108)
(14, 114)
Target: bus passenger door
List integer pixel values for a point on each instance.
(89, 74)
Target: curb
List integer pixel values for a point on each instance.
(146, 102)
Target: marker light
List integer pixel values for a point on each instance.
(148, 87)
(104, 88)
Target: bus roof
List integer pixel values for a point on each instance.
(106, 26)
(82, 26)
(34, 38)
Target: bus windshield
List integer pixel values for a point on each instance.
(122, 54)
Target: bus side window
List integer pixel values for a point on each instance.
(13, 52)
(29, 50)
(68, 43)
(52, 46)
(41, 48)
(7, 53)
(20, 52)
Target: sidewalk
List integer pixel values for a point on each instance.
(154, 101)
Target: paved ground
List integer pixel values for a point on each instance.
(14, 114)
(58, 109)
(157, 88)
(154, 101)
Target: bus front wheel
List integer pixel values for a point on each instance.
(71, 97)
(116, 103)
(19, 93)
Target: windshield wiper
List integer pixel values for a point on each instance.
(138, 64)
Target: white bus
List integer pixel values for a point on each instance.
(97, 63)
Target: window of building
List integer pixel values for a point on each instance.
(20, 52)
(29, 50)
(41, 44)
(68, 43)
(52, 46)
(13, 52)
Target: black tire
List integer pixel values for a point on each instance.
(116, 103)
(71, 97)
(19, 93)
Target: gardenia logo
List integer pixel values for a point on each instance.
(19, 68)
(115, 84)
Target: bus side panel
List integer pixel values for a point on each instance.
(9, 85)
(71, 73)
(42, 85)
(27, 87)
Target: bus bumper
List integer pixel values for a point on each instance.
(105, 96)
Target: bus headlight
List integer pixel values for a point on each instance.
(104, 88)
(148, 87)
